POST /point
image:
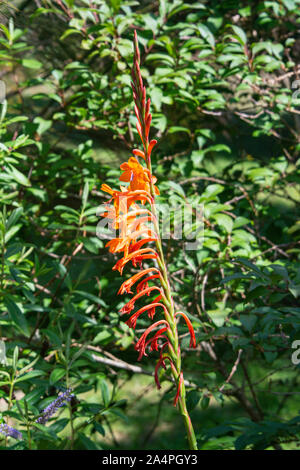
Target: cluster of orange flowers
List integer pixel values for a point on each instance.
(125, 215)
(131, 220)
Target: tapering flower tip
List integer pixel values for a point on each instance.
(151, 145)
(148, 123)
(133, 87)
(60, 401)
(147, 109)
(144, 98)
(140, 83)
(136, 48)
(10, 432)
(140, 132)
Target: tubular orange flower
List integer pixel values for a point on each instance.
(134, 235)
(130, 305)
(136, 257)
(190, 327)
(144, 283)
(141, 344)
(126, 286)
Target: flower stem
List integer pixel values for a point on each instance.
(28, 436)
(174, 348)
(142, 110)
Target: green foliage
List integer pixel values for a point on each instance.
(222, 77)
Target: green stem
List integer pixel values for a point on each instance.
(72, 437)
(28, 435)
(11, 390)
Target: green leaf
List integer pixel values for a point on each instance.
(219, 314)
(31, 63)
(30, 375)
(15, 358)
(18, 176)
(295, 290)
(248, 321)
(160, 57)
(43, 124)
(156, 97)
(14, 217)
(177, 188)
(91, 297)
(174, 129)
(240, 35)
(16, 315)
(207, 34)
(105, 393)
(192, 399)
(87, 442)
(204, 402)
(56, 375)
(85, 194)
(224, 221)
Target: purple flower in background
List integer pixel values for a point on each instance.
(9, 431)
(53, 407)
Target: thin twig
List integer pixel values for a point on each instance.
(233, 370)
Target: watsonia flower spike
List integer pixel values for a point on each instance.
(130, 219)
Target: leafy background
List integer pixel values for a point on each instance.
(223, 78)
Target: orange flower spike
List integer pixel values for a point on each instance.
(126, 197)
(140, 243)
(174, 355)
(135, 174)
(134, 233)
(144, 231)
